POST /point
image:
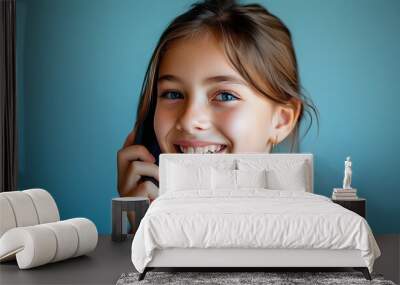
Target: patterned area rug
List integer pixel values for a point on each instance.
(229, 278)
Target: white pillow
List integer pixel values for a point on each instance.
(181, 177)
(227, 179)
(251, 178)
(223, 179)
(294, 179)
(290, 174)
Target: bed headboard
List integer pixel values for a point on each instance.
(218, 159)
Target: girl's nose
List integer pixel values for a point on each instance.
(194, 118)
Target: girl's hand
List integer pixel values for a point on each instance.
(135, 161)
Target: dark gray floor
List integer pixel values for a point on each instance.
(389, 262)
(110, 260)
(103, 266)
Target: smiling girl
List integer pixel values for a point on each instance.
(222, 79)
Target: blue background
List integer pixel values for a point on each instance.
(81, 63)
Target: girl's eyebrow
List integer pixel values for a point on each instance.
(213, 79)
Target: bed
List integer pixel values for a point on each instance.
(247, 211)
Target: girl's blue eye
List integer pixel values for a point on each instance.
(225, 96)
(222, 96)
(172, 95)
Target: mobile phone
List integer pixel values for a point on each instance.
(145, 136)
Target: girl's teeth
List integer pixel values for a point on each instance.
(201, 150)
(211, 148)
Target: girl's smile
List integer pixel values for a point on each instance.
(196, 146)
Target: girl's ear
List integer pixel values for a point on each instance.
(285, 119)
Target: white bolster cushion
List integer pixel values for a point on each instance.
(32, 246)
(87, 235)
(66, 238)
(40, 244)
(46, 207)
(26, 208)
(23, 208)
(7, 219)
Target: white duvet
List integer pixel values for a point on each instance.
(251, 218)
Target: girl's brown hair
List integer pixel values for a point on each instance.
(256, 42)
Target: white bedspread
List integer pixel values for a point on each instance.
(251, 218)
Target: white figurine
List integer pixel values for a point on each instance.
(347, 174)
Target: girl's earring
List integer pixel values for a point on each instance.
(274, 143)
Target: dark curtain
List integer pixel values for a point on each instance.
(8, 143)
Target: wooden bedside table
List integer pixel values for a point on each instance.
(358, 206)
(120, 206)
